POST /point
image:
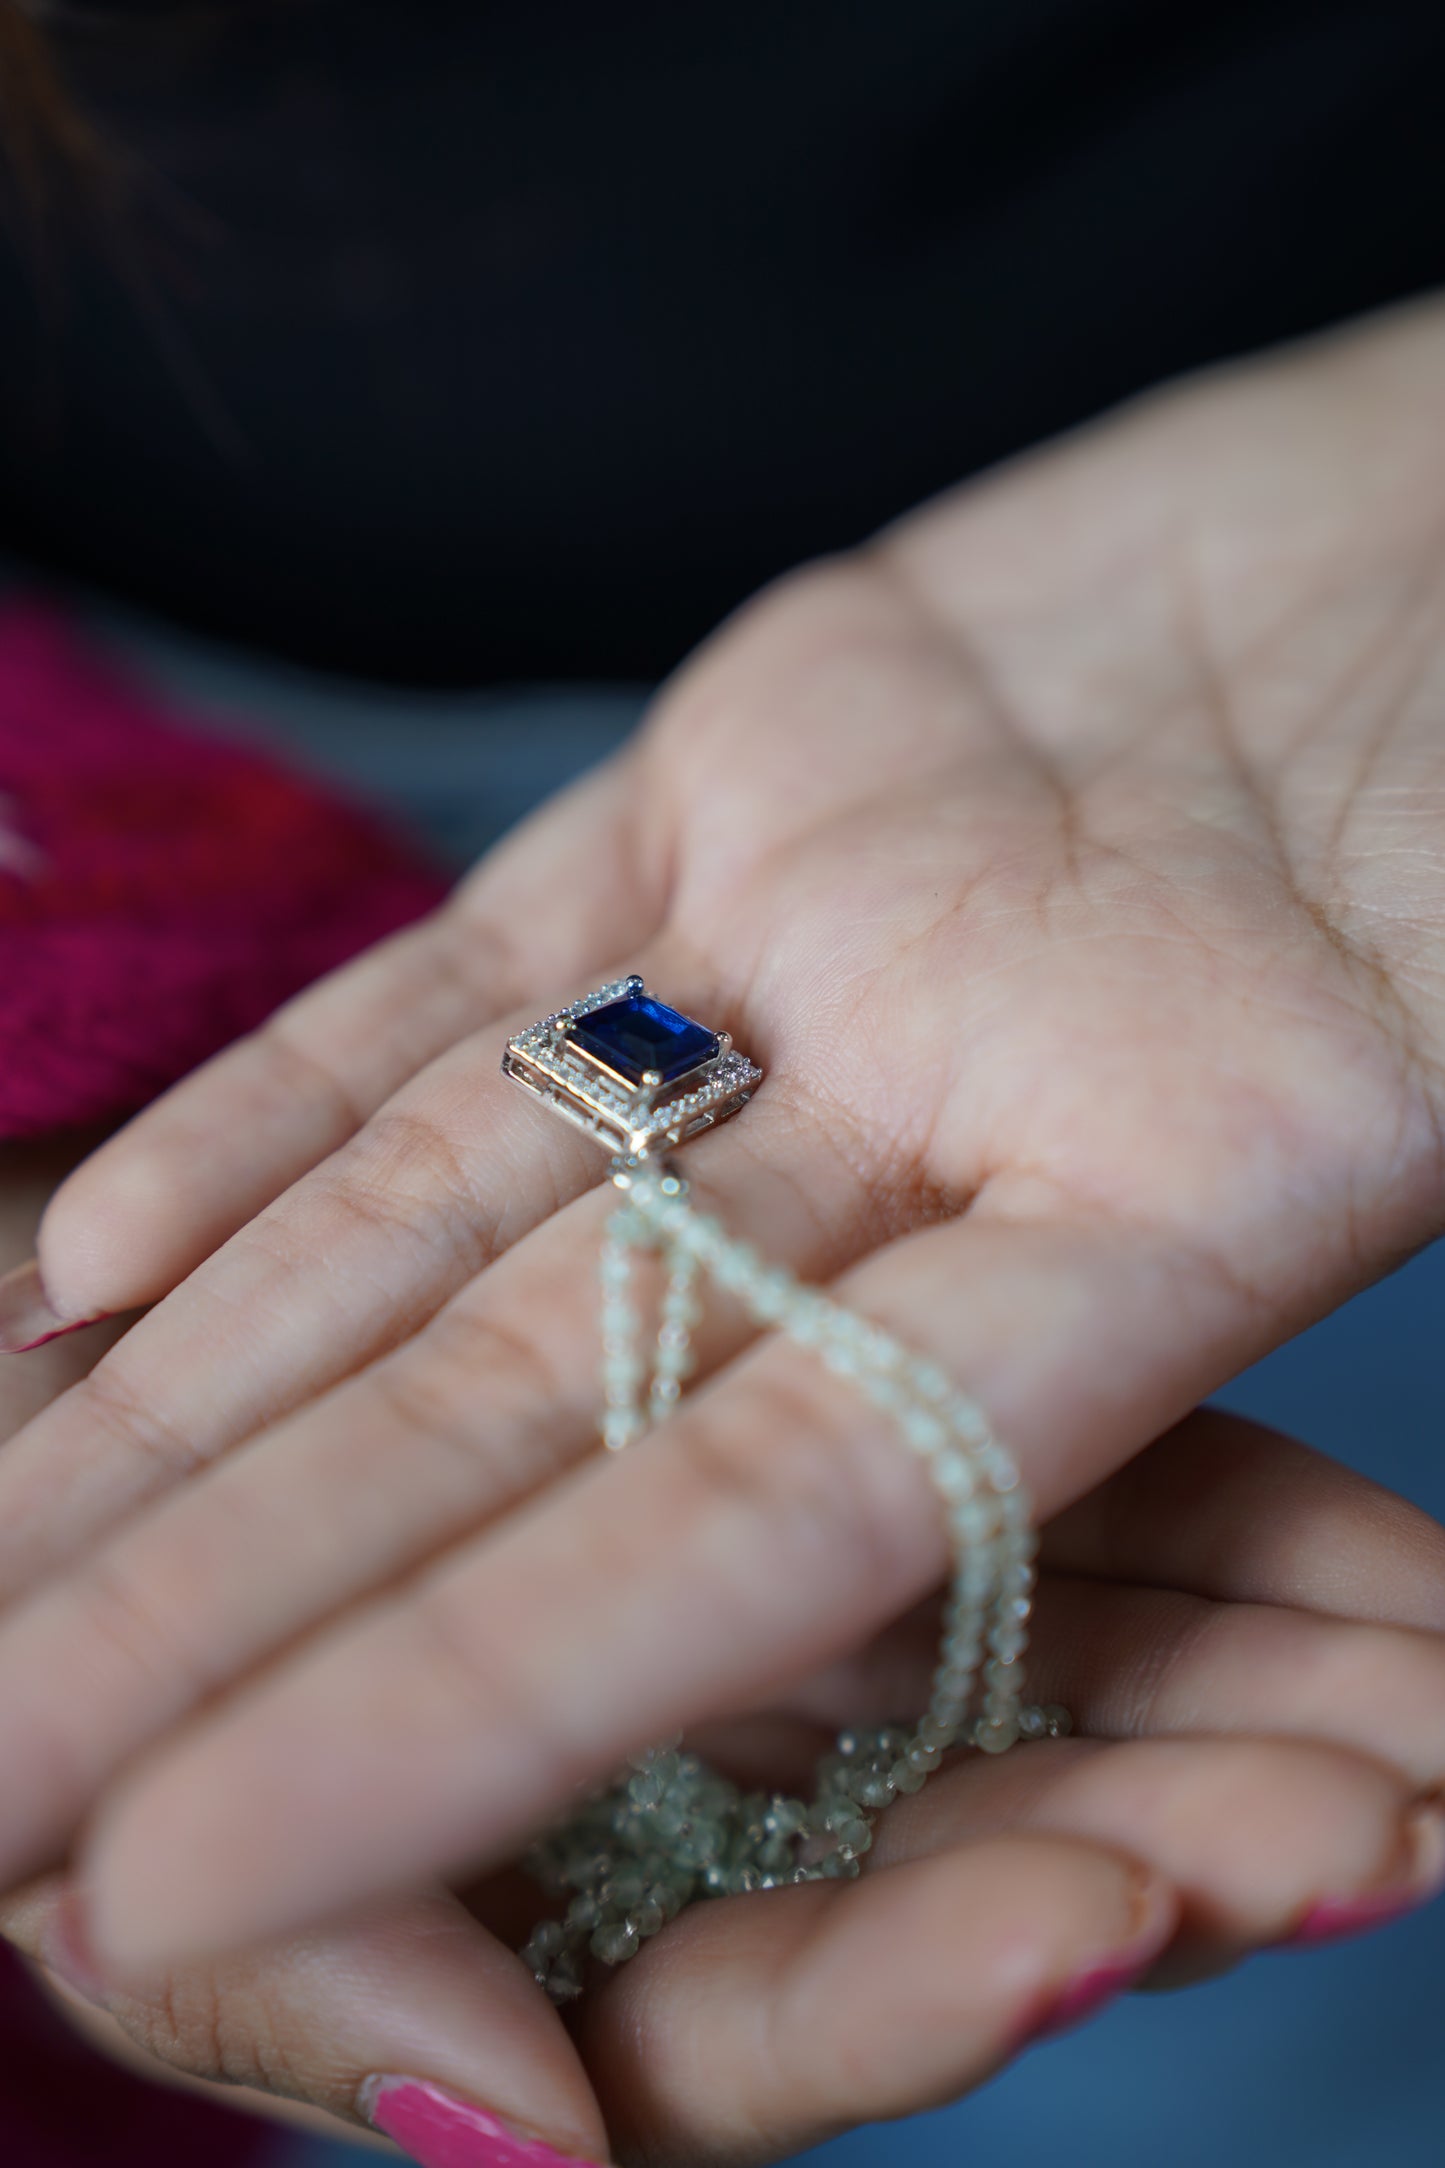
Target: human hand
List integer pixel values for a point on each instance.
(29, 1174)
(1227, 1582)
(1083, 837)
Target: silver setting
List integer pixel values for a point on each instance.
(631, 1122)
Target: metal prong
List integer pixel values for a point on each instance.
(724, 1044)
(652, 1078)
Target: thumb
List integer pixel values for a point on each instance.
(408, 2018)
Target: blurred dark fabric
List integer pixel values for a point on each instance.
(448, 342)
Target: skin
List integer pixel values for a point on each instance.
(1072, 858)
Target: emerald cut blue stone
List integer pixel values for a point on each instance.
(637, 1033)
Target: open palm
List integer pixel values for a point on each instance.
(1072, 861)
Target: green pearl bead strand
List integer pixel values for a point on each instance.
(671, 1830)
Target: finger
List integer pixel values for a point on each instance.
(1225, 1508)
(29, 1174)
(93, 1667)
(559, 896)
(451, 1176)
(107, 2038)
(486, 1405)
(454, 1170)
(1256, 1840)
(1133, 1661)
(770, 1527)
(414, 1992)
(1263, 1840)
(753, 2029)
(491, 1401)
(401, 1220)
(494, 1399)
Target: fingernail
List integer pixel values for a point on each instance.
(1102, 1982)
(1334, 1919)
(1088, 1993)
(28, 1318)
(442, 2131)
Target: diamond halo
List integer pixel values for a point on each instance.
(640, 1077)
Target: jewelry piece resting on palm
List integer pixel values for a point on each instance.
(635, 1074)
(671, 1830)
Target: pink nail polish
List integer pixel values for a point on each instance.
(1336, 1919)
(1085, 1996)
(441, 2131)
(28, 1318)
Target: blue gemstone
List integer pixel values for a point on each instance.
(637, 1033)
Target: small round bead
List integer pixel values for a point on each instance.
(935, 1731)
(614, 1942)
(839, 1867)
(954, 1477)
(930, 1381)
(973, 1520)
(923, 1431)
(770, 1296)
(736, 1267)
(703, 1237)
(842, 1359)
(808, 1320)
(967, 1419)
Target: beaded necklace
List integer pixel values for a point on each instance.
(671, 1830)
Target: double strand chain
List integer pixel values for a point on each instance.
(670, 1830)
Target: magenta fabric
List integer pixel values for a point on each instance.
(160, 893)
(62, 2106)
